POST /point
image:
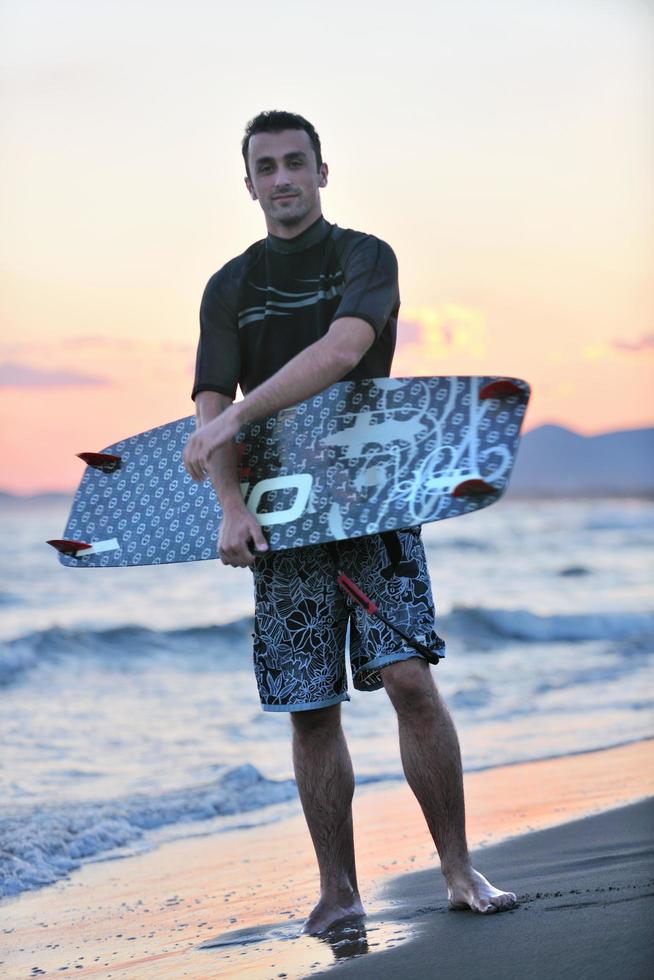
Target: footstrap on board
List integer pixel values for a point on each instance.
(354, 592)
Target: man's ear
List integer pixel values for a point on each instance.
(251, 190)
(324, 173)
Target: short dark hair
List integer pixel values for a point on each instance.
(275, 121)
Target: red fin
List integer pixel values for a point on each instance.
(473, 488)
(101, 461)
(500, 389)
(67, 547)
(244, 471)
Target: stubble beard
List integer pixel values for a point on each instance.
(292, 214)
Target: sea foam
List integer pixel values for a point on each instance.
(38, 846)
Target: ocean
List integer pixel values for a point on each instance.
(128, 708)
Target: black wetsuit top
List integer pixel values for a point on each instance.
(280, 295)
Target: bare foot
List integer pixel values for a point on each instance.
(327, 914)
(470, 890)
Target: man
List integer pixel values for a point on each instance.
(310, 305)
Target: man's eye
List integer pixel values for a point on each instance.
(295, 163)
(265, 169)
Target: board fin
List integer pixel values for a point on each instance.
(473, 488)
(82, 549)
(501, 388)
(106, 462)
(244, 470)
(68, 547)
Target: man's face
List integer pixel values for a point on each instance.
(285, 180)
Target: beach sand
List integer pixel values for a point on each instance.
(586, 910)
(231, 904)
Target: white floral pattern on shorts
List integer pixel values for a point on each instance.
(301, 618)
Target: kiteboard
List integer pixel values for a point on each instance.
(361, 457)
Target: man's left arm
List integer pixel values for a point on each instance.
(312, 370)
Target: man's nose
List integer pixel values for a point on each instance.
(282, 177)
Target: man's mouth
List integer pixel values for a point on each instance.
(284, 197)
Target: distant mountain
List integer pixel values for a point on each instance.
(553, 461)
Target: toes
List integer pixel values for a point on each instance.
(498, 903)
(474, 905)
(484, 904)
(505, 901)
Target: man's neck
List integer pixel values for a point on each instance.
(288, 231)
(311, 236)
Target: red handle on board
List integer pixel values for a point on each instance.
(355, 592)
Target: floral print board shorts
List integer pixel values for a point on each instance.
(302, 617)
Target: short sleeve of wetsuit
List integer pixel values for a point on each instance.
(218, 361)
(371, 286)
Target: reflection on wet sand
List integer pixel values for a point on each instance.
(302, 954)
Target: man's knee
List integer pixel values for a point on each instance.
(318, 721)
(410, 685)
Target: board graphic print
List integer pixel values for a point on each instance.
(359, 458)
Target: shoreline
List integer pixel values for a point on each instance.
(242, 894)
(260, 816)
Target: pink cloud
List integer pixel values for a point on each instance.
(409, 332)
(14, 375)
(643, 343)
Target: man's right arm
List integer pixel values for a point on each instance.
(239, 526)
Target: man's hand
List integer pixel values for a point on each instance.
(207, 439)
(239, 530)
(241, 536)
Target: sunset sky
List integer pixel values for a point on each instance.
(504, 148)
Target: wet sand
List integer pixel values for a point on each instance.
(231, 904)
(586, 892)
